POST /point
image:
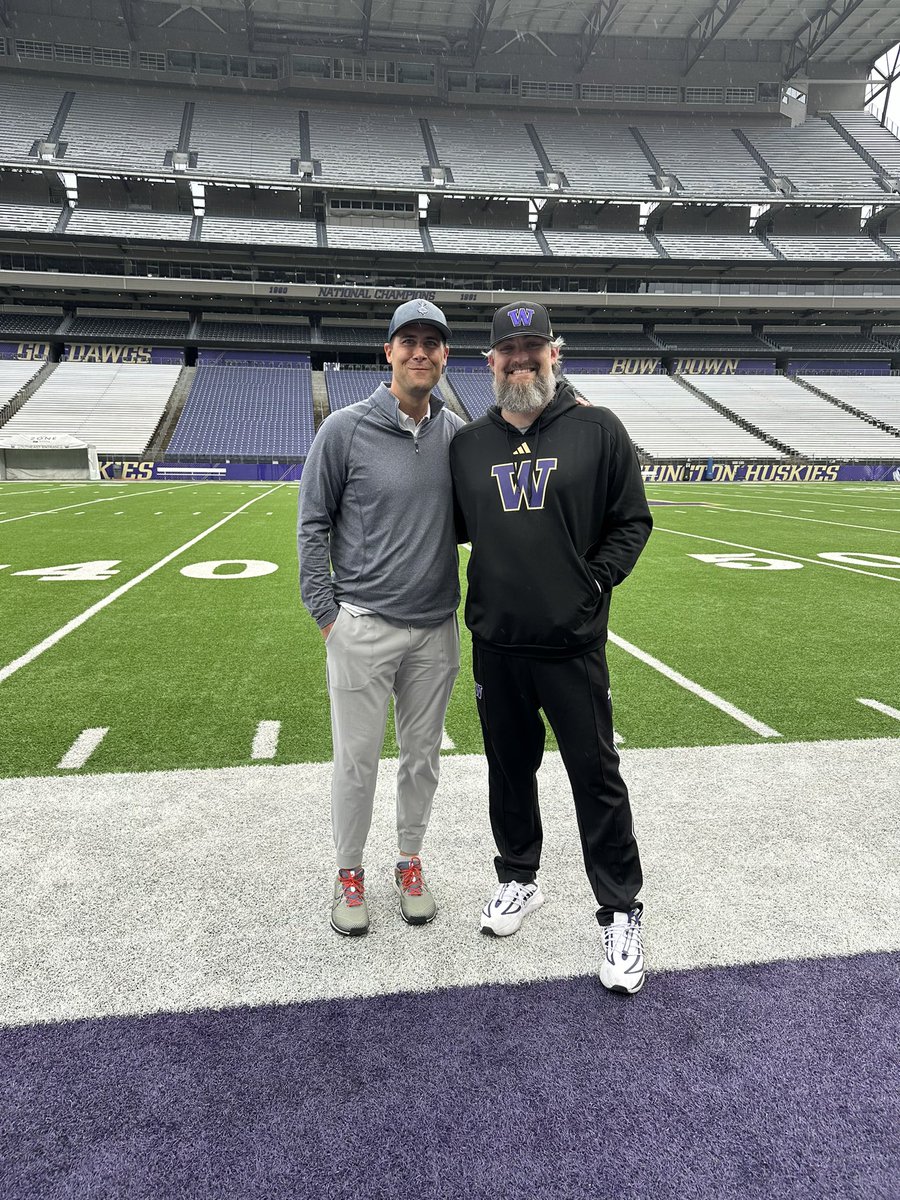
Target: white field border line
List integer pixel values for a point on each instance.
(77, 622)
(818, 562)
(689, 685)
(758, 512)
(84, 503)
(265, 740)
(82, 749)
(716, 501)
(447, 742)
(882, 708)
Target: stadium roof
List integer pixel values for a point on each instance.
(810, 31)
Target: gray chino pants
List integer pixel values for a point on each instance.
(368, 659)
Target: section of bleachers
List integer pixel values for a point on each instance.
(253, 232)
(136, 329)
(28, 324)
(719, 246)
(238, 139)
(588, 244)
(28, 109)
(29, 218)
(816, 159)
(799, 418)
(121, 128)
(13, 377)
(596, 155)
(873, 137)
(723, 341)
(357, 145)
(348, 386)
(385, 239)
(706, 157)
(832, 343)
(236, 333)
(667, 421)
(117, 223)
(484, 241)
(112, 406)
(876, 395)
(489, 152)
(246, 411)
(828, 248)
(586, 339)
(474, 390)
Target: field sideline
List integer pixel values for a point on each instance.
(757, 613)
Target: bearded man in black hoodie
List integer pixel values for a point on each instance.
(549, 493)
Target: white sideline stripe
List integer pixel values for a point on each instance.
(882, 708)
(82, 749)
(818, 562)
(46, 512)
(447, 742)
(265, 740)
(77, 622)
(689, 685)
(617, 738)
(717, 506)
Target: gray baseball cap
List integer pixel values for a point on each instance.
(419, 310)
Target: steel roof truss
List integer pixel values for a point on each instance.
(708, 29)
(812, 38)
(479, 28)
(601, 17)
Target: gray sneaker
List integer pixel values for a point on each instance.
(417, 906)
(349, 911)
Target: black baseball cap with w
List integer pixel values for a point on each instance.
(521, 318)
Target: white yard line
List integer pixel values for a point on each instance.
(265, 740)
(818, 562)
(46, 512)
(82, 749)
(447, 742)
(77, 622)
(758, 512)
(882, 708)
(696, 689)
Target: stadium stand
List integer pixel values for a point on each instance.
(878, 396)
(723, 341)
(693, 246)
(233, 138)
(13, 377)
(28, 109)
(359, 146)
(486, 242)
(36, 218)
(89, 222)
(596, 155)
(706, 157)
(233, 333)
(474, 391)
(592, 244)
(253, 232)
(115, 407)
(136, 329)
(348, 386)
(830, 343)
(246, 411)
(816, 159)
(828, 248)
(486, 153)
(130, 130)
(798, 417)
(28, 325)
(873, 138)
(394, 238)
(666, 420)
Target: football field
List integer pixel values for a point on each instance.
(153, 626)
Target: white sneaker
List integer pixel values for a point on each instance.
(509, 906)
(623, 962)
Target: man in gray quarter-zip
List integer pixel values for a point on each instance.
(379, 574)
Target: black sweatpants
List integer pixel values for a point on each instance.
(574, 694)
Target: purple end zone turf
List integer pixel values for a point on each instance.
(778, 1080)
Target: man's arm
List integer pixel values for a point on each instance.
(627, 522)
(321, 488)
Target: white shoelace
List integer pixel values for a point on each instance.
(514, 893)
(621, 939)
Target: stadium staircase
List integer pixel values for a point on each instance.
(158, 444)
(882, 245)
(321, 407)
(869, 159)
(25, 393)
(856, 412)
(778, 183)
(735, 418)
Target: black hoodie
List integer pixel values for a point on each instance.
(557, 516)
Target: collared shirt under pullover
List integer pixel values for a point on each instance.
(375, 524)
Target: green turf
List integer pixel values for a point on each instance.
(181, 670)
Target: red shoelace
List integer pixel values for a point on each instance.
(354, 889)
(411, 878)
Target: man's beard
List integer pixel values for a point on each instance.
(524, 398)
